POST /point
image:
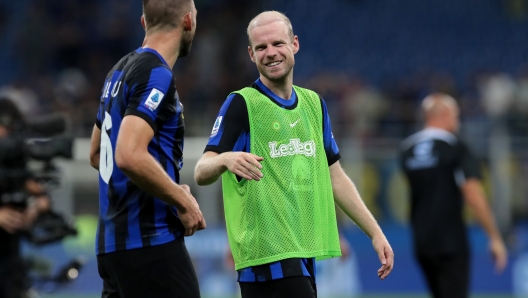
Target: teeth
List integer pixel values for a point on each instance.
(274, 63)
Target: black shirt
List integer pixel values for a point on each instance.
(437, 164)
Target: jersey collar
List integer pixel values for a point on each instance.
(281, 101)
(149, 50)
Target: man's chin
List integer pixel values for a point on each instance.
(277, 78)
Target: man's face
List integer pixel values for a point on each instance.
(188, 36)
(273, 50)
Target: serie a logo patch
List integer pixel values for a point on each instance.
(216, 126)
(154, 99)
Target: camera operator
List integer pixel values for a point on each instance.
(16, 217)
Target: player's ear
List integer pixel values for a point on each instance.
(296, 45)
(251, 53)
(188, 21)
(143, 23)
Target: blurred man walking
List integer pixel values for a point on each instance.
(442, 174)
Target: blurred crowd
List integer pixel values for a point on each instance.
(62, 51)
(365, 111)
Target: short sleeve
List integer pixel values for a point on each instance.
(98, 120)
(153, 96)
(231, 128)
(330, 145)
(467, 163)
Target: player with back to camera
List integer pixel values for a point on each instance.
(442, 174)
(137, 146)
(272, 144)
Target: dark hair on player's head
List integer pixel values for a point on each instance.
(165, 14)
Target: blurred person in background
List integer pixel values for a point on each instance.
(272, 144)
(137, 147)
(21, 200)
(443, 174)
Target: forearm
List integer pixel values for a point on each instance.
(348, 199)
(94, 161)
(484, 215)
(145, 172)
(95, 147)
(209, 168)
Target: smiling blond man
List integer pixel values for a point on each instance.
(272, 144)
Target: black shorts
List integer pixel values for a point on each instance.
(159, 271)
(447, 275)
(289, 287)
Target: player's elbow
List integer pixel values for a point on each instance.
(125, 160)
(199, 178)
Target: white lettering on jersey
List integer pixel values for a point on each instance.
(154, 99)
(294, 147)
(106, 90)
(423, 156)
(115, 89)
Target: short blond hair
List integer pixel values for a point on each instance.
(268, 17)
(435, 103)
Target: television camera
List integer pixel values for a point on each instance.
(39, 140)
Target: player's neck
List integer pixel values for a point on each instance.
(436, 125)
(166, 44)
(282, 89)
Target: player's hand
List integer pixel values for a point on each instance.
(499, 254)
(385, 254)
(190, 215)
(11, 220)
(243, 164)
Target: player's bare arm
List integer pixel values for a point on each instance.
(474, 196)
(133, 158)
(348, 199)
(212, 165)
(95, 147)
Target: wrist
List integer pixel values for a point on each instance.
(377, 235)
(180, 199)
(222, 160)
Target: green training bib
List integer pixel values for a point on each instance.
(290, 212)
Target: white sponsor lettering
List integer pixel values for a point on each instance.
(294, 147)
(423, 156)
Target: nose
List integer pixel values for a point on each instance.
(271, 52)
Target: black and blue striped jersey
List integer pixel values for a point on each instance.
(231, 132)
(140, 84)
